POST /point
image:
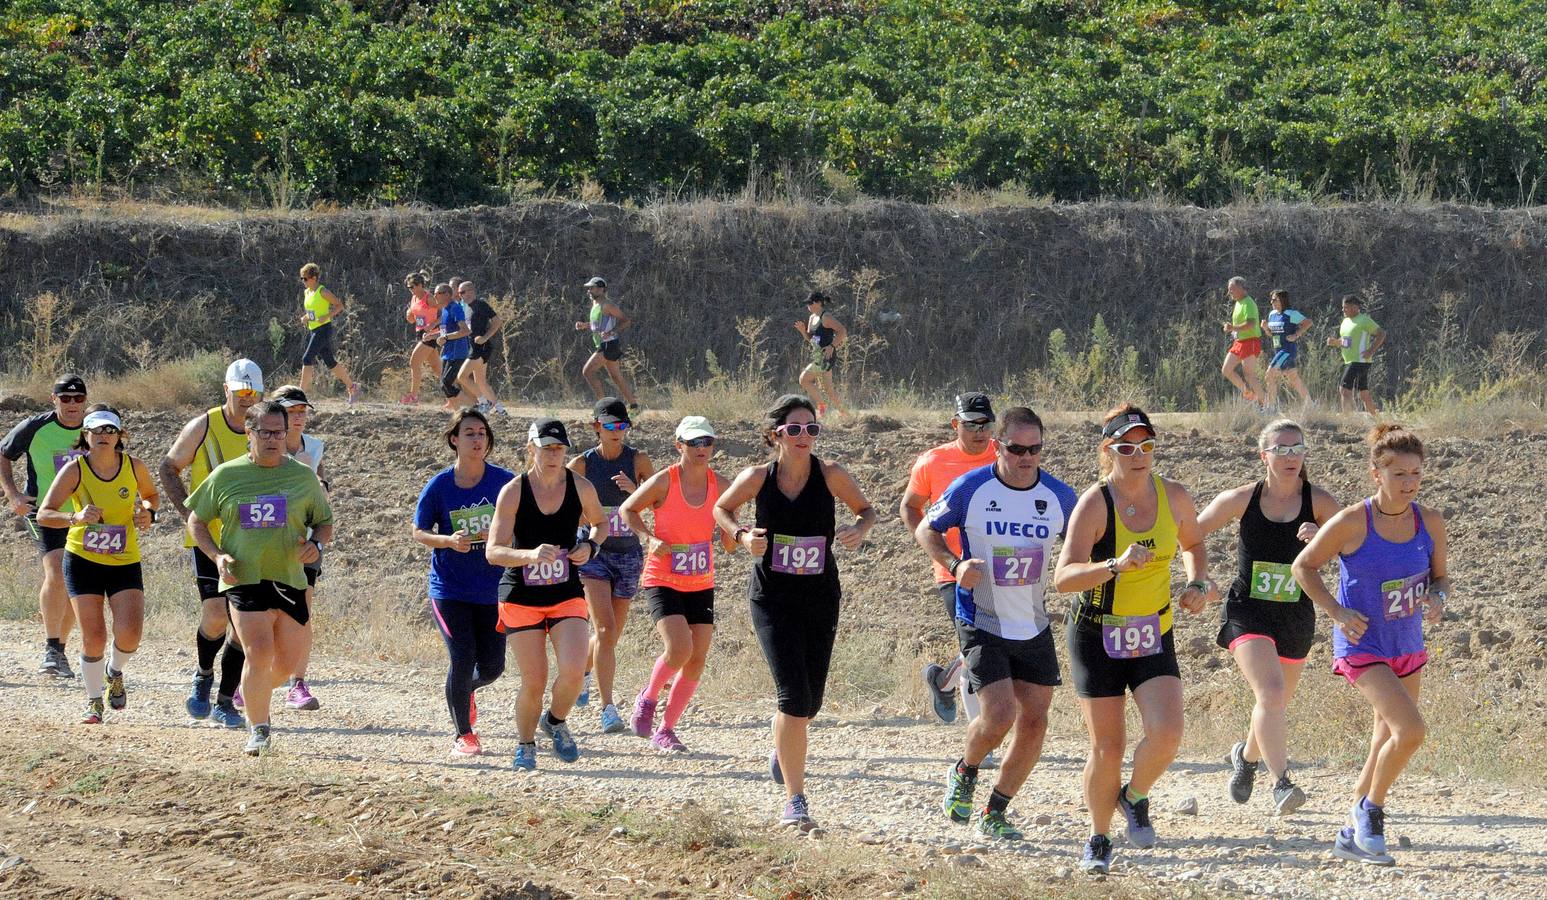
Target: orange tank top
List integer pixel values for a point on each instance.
(689, 533)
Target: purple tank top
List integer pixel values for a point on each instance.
(1386, 582)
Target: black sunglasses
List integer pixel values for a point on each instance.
(1022, 449)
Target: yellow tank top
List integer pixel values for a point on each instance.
(113, 541)
(1148, 590)
(318, 310)
(220, 445)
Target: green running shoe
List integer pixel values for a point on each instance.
(994, 824)
(958, 796)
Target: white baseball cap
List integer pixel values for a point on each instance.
(102, 417)
(244, 374)
(694, 427)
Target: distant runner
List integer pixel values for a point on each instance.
(932, 473)
(424, 316)
(1006, 515)
(113, 499)
(320, 307)
(826, 335)
(47, 440)
(1126, 530)
(606, 323)
(483, 323)
(1358, 338)
(1286, 326)
(611, 576)
(455, 345)
(1245, 331)
(679, 575)
(1395, 576)
(794, 588)
(1268, 622)
(452, 518)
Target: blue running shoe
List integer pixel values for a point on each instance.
(773, 767)
(198, 704)
(958, 795)
(796, 813)
(1345, 848)
(1097, 859)
(526, 758)
(1369, 828)
(585, 692)
(225, 715)
(1140, 832)
(564, 746)
(612, 721)
(942, 699)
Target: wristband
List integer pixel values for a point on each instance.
(955, 564)
(152, 511)
(741, 530)
(1199, 585)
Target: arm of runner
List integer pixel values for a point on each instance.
(500, 549)
(1300, 330)
(649, 495)
(1224, 509)
(1344, 533)
(1378, 338)
(178, 458)
(577, 464)
(845, 488)
(495, 324)
(1439, 571)
(1323, 507)
(910, 509)
(19, 503)
(50, 511)
(616, 311)
(335, 305)
(591, 513)
(150, 497)
(427, 512)
(644, 467)
(1076, 571)
(224, 563)
(1200, 587)
(742, 490)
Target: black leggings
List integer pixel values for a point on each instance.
(319, 347)
(797, 639)
(449, 369)
(476, 649)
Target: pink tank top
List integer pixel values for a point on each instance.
(424, 313)
(688, 531)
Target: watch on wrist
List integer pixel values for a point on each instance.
(1111, 564)
(741, 530)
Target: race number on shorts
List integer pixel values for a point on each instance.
(1130, 637)
(690, 559)
(799, 555)
(554, 571)
(1017, 566)
(268, 511)
(108, 540)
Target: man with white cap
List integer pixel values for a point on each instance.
(47, 439)
(606, 322)
(211, 438)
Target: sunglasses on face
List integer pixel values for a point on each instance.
(244, 393)
(797, 429)
(1289, 449)
(265, 434)
(1146, 447)
(699, 442)
(1022, 449)
(71, 398)
(974, 427)
(103, 429)
(615, 426)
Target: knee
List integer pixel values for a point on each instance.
(996, 713)
(1273, 698)
(607, 634)
(801, 704)
(128, 637)
(1165, 736)
(1409, 736)
(1107, 750)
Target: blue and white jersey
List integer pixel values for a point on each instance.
(1012, 529)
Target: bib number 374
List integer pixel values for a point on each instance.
(1130, 637)
(264, 512)
(1400, 596)
(799, 555)
(1274, 582)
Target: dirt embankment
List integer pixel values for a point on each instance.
(923, 282)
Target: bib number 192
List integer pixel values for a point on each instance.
(806, 555)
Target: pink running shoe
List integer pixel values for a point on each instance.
(409, 399)
(466, 745)
(665, 740)
(300, 697)
(643, 719)
(237, 701)
(354, 393)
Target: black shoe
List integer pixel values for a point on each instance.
(1243, 776)
(1287, 797)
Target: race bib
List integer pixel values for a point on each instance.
(1400, 596)
(63, 459)
(1130, 637)
(1345, 342)
(311, 315)
(269, 511)
(1275, 582)
(420, 323)
(108, 540)
(690, 559)
(617, 526)
(474, 520)
(1017, 566)
(555, 571)
(799, 555)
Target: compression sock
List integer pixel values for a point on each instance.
(231, 663)
(55, 644)
(120, 659)
(965, 770)
(94, 673)
(658, 677)
(681, 692)
(208, 649)
(998, 801)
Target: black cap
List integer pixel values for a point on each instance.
(289, 396)
(814, 297)
(1126, 423)
(547, 432)
(974, 406)
(70, 383)
(609, 410)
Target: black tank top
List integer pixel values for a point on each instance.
(599, 471)
(799, 532)
(1264, 551)
(819, 332)
(550, 583)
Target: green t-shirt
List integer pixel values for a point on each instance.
(1245, 313)
(1355, 335)
(264, 515)
(47, 445)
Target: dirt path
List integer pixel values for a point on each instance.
(360, 798)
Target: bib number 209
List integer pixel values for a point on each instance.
(555, 571)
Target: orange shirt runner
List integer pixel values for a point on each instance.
(933, 472)
(689, 532)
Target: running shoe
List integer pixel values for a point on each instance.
(237, 700)
(665, 740)
(797, 813)
(994, 824)
(1369, 828)
(257, 741)
(1345, 848)
(1243, 774)
(612, 722)
(466, 745)
(944, 699)
(55, 663)
(117, 697)
(958, 795)
(94, 712)
(773, 767)
(1097, 859)
(585, 693)
(483, 405)
(1140, 832)
(198, 704)
(564, 746)
(409, 399)
(300, 697)
(643, 719)
(225, 715)
(1287, 797)
(354, 393)
(500, 408)
(635, 407)
(526, 758)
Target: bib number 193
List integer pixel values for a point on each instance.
(1130, 637)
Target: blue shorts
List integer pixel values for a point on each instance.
(1283, 359)
(621, 568)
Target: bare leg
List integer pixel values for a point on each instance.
(618, 378)
(1298, 385)
(589, 371)
(88, 611)
(1030, 702)
(128, 620)
(342, 374)
(531, 649)
(826, 379)
(1250, 368)
(1230, 368)
(790, 742)
(569, 638)
(1160, 711)
(54, 601)
(257, 632)
(306, 377)
(1399, 731)
(1369, 407)
(1268, 736)
(1104, 766)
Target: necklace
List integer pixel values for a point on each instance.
(1399, 512)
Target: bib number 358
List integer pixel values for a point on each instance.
(1130, 637)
